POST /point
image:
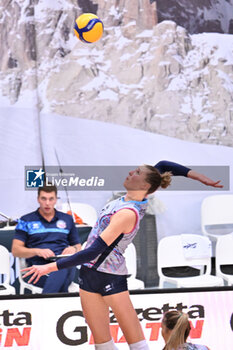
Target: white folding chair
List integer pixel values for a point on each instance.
(131, 264)
(5, 287)
(224, 249)
(217, 215)
(22, 283)
(171, 254)
(73, 287)
(85, 211)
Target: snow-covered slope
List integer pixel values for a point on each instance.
(152, 77)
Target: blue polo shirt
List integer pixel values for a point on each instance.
(36, 232)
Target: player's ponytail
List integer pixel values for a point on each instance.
(166, 179)
(179, 324)
(156, 180)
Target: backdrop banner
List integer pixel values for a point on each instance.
(57, 322)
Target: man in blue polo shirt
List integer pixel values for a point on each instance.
(45, 233)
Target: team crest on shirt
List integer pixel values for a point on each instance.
(61, 224)
(35, 225)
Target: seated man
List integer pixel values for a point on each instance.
(45, 233)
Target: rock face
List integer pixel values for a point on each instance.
(156, 77)
(198, 16)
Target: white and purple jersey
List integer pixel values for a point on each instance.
(114, 261)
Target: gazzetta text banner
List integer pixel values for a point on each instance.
(58, 322)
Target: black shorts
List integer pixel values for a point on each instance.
(100, 282)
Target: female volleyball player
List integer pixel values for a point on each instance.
(103, 275)
(175, 331)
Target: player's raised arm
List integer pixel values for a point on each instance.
(180, 170)
(175, 168)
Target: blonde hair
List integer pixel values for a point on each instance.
(156, 180)
(178, 322)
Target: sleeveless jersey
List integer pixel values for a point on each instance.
(114, 262)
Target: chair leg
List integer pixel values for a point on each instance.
(161, 283)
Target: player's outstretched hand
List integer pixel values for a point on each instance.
(36, 271)
(208, 182)
(204, 179)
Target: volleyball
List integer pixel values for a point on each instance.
(88, 28)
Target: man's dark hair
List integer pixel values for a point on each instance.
(47, 189)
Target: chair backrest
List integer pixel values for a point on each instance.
(224, 249)
(216, 210)
(85, 211)
(131, 259)
(5, 263)
(22, 265)
(171, 254)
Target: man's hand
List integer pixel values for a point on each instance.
(38, 270)
(72, 249)
(69, 250)
(44, 253)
